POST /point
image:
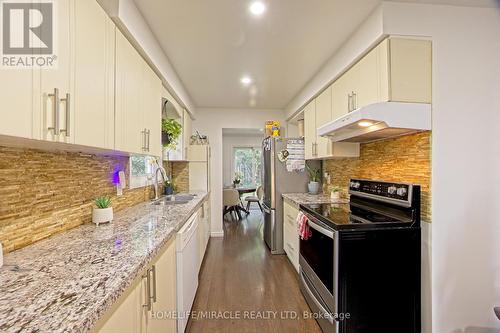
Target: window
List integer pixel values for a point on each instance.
(141, 170)
(247, 163)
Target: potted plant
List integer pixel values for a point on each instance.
(335, 193)
(170, 132)
(103, 212)
(237, 179)
(169, 187)
(314, 177)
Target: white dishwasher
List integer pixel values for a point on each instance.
(187, 248)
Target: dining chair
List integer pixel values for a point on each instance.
(257, 198)
(231, 201)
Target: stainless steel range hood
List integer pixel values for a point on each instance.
(379, 121)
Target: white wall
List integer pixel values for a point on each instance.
(465, 160)
(231, 141)
(211, 122)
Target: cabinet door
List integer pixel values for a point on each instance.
(310, 130)
(410, 70)
(151, 97)
(365, 79)
(198, 176)
(125, 319)
(94, 76)
(166, 286)
(202, 225)
(323, 116)
(57, 113)
(341, 90)
(16, 94)
(129, 119)
(186, 133)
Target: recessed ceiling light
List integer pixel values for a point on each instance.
(365, 123)
(257, 8)
(246, 80)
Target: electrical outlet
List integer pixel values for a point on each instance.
(327, 177)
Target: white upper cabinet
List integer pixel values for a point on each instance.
(130, 133)
(16, 94)
(323, 116)
(310, 130)
(317, 113)
(101, 93)
(94, 76)
(56, 105)
(396, 70)
(186, 133)
(151, 96)
(138, 102)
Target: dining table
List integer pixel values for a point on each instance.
(242, 190)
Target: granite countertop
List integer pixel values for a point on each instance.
(65, 283)
(310, 199)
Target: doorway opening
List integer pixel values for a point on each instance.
(242, 172)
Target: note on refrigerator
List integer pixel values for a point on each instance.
(296, 158)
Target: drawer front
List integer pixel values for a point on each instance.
(291, 245)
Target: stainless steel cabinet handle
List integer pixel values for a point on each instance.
(153, 271)
(148, 291)
(349, 102)
(55, 112)
(143, 132)
(67, 101)
(149, 137)
(322, 309)
(320, 229)
(354, 101)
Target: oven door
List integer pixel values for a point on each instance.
(318, 258)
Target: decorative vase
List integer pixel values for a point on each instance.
(313, 187)
(102, 215)
(169, 190)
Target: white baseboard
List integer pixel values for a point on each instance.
(217, 234)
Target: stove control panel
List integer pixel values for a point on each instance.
(397, 192)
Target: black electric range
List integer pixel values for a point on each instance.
(362, 259)
(373, 204)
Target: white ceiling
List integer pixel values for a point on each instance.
(213, 43)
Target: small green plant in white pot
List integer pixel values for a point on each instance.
(314, 178)
(103, 212)
(335, 193)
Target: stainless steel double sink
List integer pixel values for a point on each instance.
(178, 199)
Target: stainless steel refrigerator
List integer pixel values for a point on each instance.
(276, 181)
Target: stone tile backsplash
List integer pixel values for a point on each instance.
(402, 159)
(44, 193)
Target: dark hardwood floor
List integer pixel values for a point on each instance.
(240, 278)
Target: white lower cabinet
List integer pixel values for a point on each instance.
(291, 239)
(203, 229)
(147, 310)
